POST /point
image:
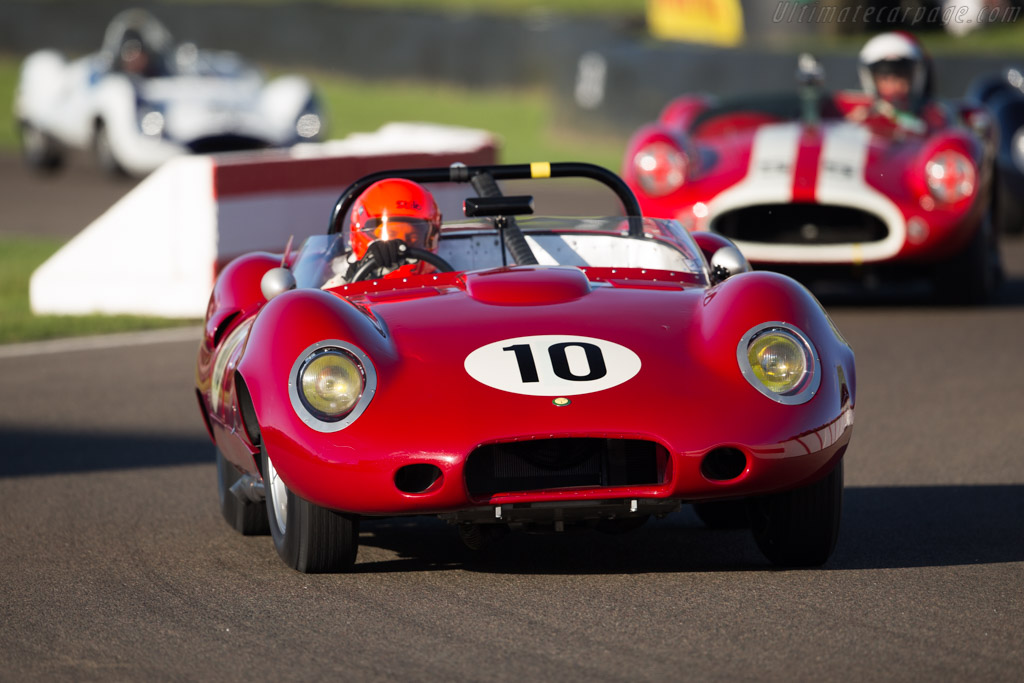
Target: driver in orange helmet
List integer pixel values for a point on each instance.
(389, 217)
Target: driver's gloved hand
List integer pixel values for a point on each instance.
(388, 254)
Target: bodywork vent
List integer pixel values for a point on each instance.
(544, 464)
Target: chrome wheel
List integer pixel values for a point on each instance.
(279, 495)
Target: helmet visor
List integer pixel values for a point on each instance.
(416, 232)
(901, 68)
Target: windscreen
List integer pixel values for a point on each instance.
(603, 242)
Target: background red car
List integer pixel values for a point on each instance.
(815, 184)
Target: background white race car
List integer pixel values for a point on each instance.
(143, 99)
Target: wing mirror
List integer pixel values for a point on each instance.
(276, 281)
(726, 262)
(723, 257)
(809, 71)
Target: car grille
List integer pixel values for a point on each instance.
(543, 464)
(225, 143)
(800, 224)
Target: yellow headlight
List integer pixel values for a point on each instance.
(331, 384)
(778, 361)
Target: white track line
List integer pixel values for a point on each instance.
(100, 342)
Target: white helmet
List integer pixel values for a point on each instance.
(895, 52)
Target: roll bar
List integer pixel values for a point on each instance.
(460, 173)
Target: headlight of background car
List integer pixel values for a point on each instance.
(308, 126)
(950, 176)
(151, 119)
(779, 361)
(310, 123)
(660, 168)
(331, 383)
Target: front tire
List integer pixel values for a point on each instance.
(799, 528)
(972, 276)
(247, 517)
(1008, 214)
(309, 538)
(40, 151)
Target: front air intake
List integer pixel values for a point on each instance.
(418, 478)
(800, 224)
(723, 464)
(544, 464)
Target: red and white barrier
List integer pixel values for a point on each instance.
(156, 251)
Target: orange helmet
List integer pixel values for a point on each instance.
(395, 209)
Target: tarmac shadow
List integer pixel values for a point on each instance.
(883, 528)
(33, 452)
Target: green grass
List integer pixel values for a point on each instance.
(523, 119)
(19, 256)
(8, 81)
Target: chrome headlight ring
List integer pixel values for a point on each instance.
(806, 387)
(300, 407)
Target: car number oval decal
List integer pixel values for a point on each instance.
(552, 365)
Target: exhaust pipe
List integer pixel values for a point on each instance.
(249, 488)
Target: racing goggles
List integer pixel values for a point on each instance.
(415, 232)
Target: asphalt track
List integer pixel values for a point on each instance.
(116, 564)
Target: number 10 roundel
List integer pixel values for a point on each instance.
(552, 365)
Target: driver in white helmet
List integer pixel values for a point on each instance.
(895, 70)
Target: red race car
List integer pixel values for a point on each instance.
(822, 186)
(543, 372)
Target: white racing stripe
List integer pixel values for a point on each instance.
(769, 178)
(841, 182)
(102, 342)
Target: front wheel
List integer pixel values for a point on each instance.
(1008, 214)
(40, 151)
(799, 528)
(309, 538)
(972, 276)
